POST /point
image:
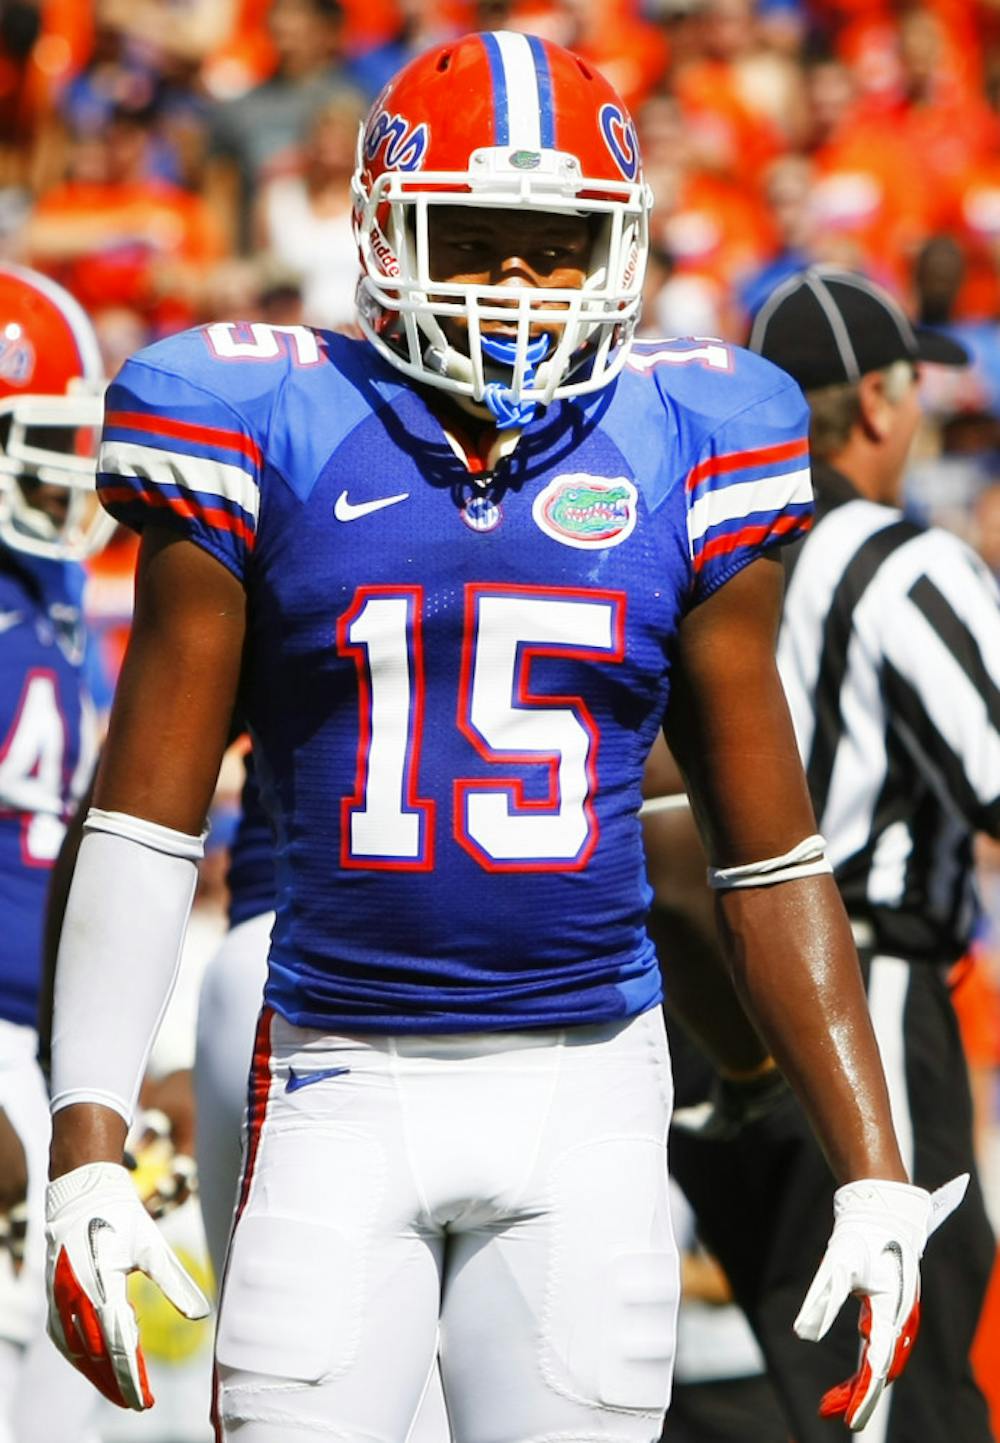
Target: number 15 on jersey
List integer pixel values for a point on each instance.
(385, 823)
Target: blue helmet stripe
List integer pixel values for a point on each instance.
(500, 107)
(543, 75)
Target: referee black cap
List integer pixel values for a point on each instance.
(825, 326)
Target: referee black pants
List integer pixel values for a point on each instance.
(763, 1202)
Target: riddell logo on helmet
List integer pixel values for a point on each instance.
(405, 144)
(631, 266)
(383, 252)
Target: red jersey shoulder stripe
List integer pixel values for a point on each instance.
(752, 536)
(213, 515)
(185, 431)
(743, 460)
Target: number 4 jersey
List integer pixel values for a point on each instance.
(452, 683)
(47, 749)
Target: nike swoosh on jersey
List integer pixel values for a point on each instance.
(345, 510)
(306, 1079)
(9, 619)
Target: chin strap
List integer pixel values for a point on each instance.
(500, 398)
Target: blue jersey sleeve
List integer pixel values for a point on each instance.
(749, 489)
(176, 452)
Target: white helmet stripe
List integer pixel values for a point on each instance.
(521, 84)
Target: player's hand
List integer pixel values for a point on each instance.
(878, 1238)
(97, 1232)
(732, 1105)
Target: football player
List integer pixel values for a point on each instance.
(50, 410)
(459, 572)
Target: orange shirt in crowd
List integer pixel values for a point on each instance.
(630, 52)
(246, 58)
(950, 136)
(28, 91)
(869, 197)
(714, 228)
(974, 220)
(109, 598)
(137, 244)
(977, 1005)
(726, 133)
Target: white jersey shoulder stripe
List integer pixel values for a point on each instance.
(172, 468)
(744, 498)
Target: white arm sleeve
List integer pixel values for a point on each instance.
(119, 952)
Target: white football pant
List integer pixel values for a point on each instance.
(43, 1399)
(511, 1185)
(232, 988)
(228, 1009)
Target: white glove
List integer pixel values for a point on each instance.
(97, 1232)
(879, 1232)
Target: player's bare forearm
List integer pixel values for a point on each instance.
(175, 698)
(85, 1132)
(796, 969)
(697, 984)
(789, 945)
(168, 730)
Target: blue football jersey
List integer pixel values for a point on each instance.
(452, 686)
(46, 756)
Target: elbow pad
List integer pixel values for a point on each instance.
(119, 955)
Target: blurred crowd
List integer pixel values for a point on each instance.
(178, 161)
(172, 161)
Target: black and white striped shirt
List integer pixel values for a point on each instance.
(890, 655)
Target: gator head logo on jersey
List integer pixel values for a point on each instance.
(587, 511)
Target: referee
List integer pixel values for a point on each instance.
(890, 654)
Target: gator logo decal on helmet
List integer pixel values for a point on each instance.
(589, 512)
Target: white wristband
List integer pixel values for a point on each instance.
(808, 859)
(149, 834)
(674, 802)
(118, 956)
